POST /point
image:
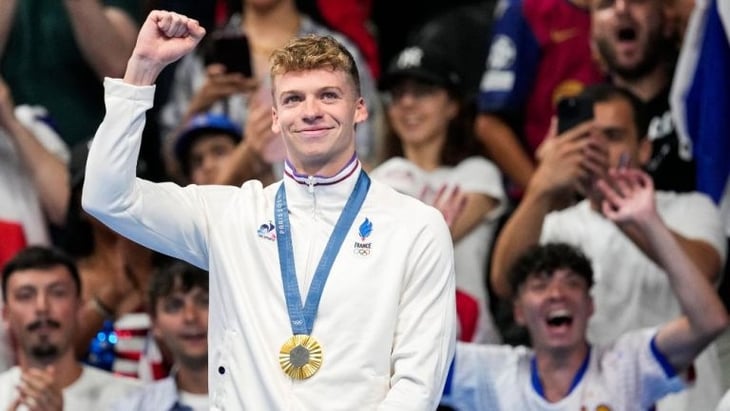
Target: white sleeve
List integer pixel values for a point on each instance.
(161, 216)
(400, 174)
(479, 175)
(643, 374)
(425, 335)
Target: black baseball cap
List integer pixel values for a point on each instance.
(425, 64)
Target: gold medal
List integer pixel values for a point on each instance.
(300, 357)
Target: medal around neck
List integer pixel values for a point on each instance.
(300, 356)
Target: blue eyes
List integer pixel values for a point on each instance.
(325, 96)
(291, 99)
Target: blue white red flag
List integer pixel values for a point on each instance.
(701, 94)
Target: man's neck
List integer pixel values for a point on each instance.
(194, 381)
(330, 168)
(648, 86)
(557, 371)
(66, 369)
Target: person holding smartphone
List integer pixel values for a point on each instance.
(632, 290)
(539, 51)
(198, 88)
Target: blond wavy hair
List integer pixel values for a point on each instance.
(314, 52)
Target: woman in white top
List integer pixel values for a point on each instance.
(432, 155)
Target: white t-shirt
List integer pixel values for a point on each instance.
(95, 389)
(630, 290)
(196, 402)
(628, 375)
(471, 252)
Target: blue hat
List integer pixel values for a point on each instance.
(200, 125)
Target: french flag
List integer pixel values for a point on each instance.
(700, 97)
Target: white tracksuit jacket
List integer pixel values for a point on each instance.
(386, 320)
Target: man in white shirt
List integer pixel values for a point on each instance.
(563, 371)
(382, 331)
(41, 292)
(33, 184)
(178, 300)
(632, 291)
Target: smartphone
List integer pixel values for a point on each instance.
(232, 51)
(572, 111)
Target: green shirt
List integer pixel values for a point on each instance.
(42, 65)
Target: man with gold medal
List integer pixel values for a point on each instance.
(301, 355)
(328, 291)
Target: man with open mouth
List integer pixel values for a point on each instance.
(562, 370)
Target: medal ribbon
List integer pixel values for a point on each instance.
(302, 318)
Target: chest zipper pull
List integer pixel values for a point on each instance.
(310, 184)
(310, 187)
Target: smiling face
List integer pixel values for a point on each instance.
(630, 35)
(555, 308)
(181, 322)
(316, 112)
(41, 310)
(420, 113)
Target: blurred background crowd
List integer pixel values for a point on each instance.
(463, 100)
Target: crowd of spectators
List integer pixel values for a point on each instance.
(462, 101)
